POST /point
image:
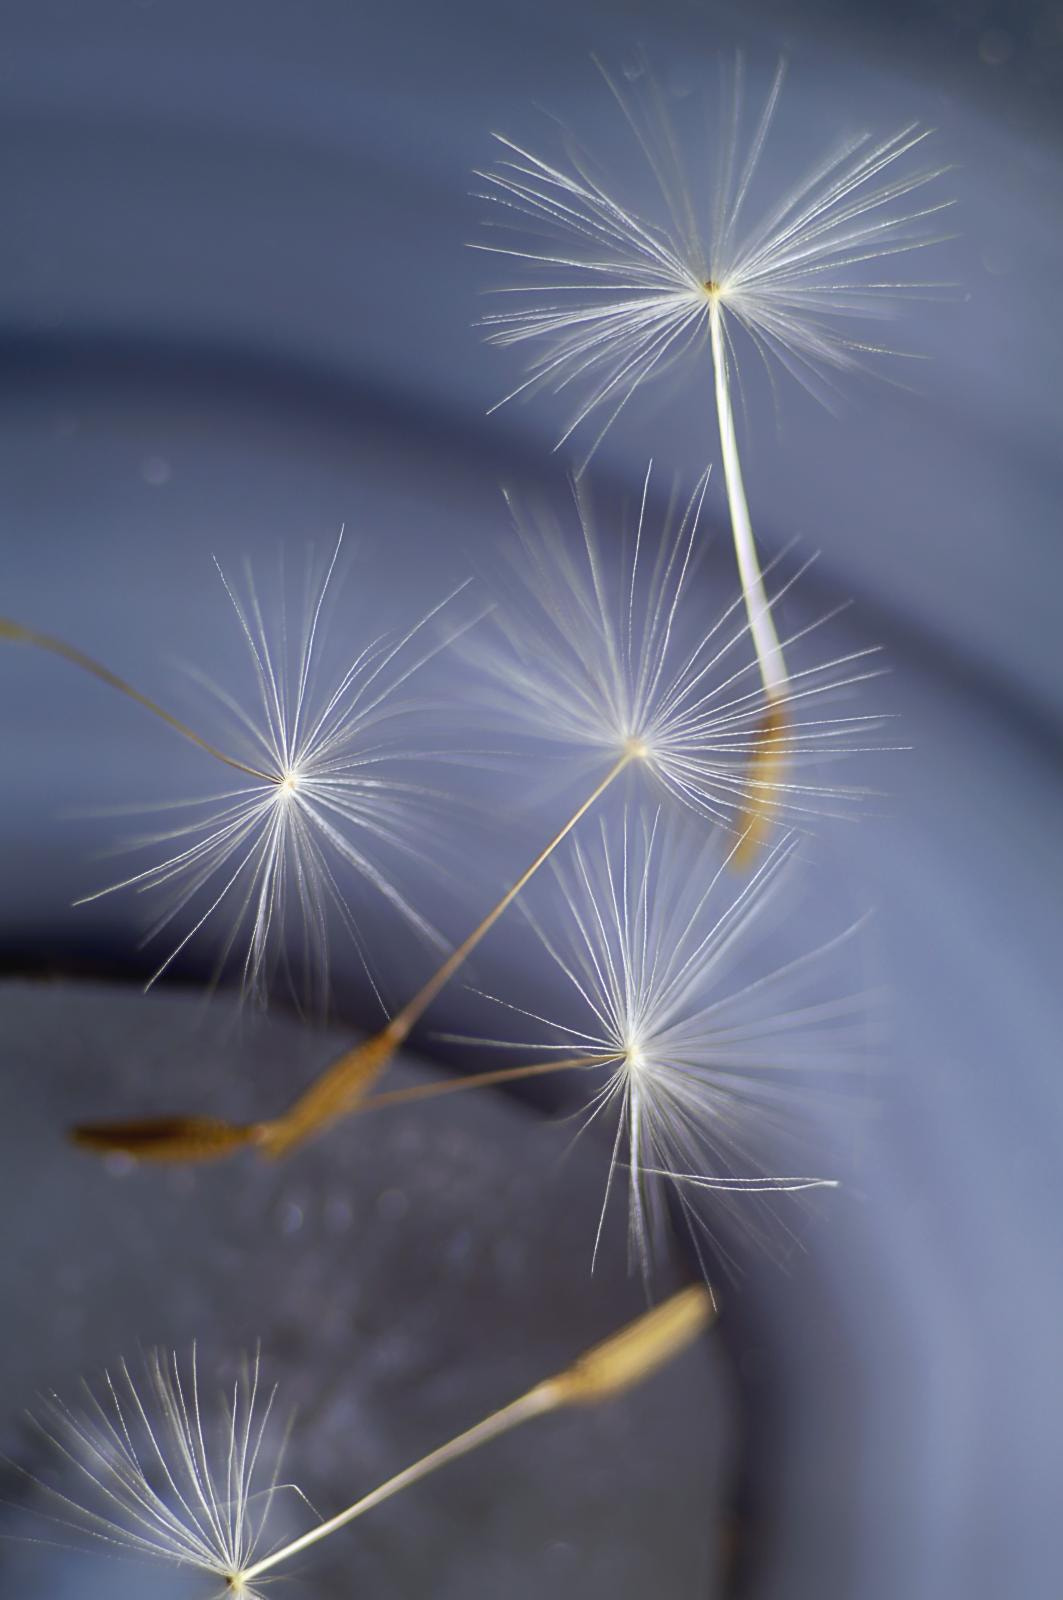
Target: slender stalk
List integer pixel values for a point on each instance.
(412, 1011)
(768, 759)
(181, 1139)
(623, 1360)
(533, 1404)
(482, 1080)
(761, 627)
(17, 633)
(342, 1087)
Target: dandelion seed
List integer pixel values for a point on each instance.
(698, 1068)
(158, 1471)
(616, 299)
(617, 663)
(603, 647)
(160, 1475)
(319, 798)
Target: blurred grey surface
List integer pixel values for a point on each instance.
(403, 1279)
(235, 312)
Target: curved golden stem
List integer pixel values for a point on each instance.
(483, 1080)
(17, 633)
(164, 1139)
(201, 1139)
(768, 759)
(342, 1085)
(342, 1088)
(628, 1357)
(766, 767)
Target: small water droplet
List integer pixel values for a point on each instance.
(460, 1246)
(338, 1213)
(997, 259)
(392, 1205)
(155, 470)
(995, 47)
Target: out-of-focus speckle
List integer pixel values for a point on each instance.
(156, 471)
(995, 46)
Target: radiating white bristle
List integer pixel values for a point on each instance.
(664, 971)
(614, 298)
(607, 645)
(152, 1469)
(265, 861)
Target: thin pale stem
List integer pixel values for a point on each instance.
(768, 760)
(183, 1139)
(17, 633)
(761, 627)
(414, 1009)
(620, 1362)
(343, 1085)
(482, 1080)
(533, 1404)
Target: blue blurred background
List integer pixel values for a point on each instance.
(236, 312)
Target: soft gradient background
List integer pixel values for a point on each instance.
(235, 312)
